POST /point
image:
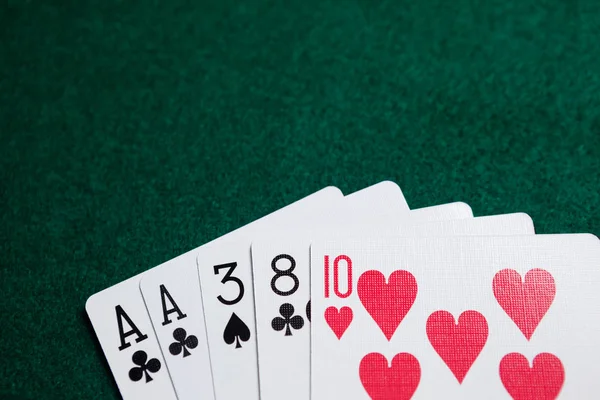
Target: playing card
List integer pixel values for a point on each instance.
(442, 212)
(282, 293)
(456, 318)
(126, 335)
(171, 292)
(384, 197)
(225, 274)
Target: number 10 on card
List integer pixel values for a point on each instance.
(340, 261)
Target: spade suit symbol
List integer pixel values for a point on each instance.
(236, 330)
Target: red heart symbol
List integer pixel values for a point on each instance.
(527, 302)
(457, 344)
(543, 381)
(388, 303)
(397, 382)
(338, 320)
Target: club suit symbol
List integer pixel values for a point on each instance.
(144, 366)
(287, 320)
(183, 342)
(236, 330)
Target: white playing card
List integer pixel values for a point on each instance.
(125, 333)
(456, 318)
(442, 212)
(225, 274)
(280, 337)
(384, 196)
(124, 330)
(192, 375)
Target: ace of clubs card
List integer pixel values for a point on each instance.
(125, 330)
(172, 296)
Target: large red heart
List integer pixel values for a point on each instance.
(397, 382)
(388, 303)
(457, 344)
(526, 302)
(338, 320)
(543, 381)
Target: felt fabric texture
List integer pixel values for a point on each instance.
(133, 131)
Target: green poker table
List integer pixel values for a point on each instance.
(134, 131)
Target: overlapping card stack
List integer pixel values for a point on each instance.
(358, 297)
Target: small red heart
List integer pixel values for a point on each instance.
(388, 303)
(458, 344)
(543, 381)
(338, 320)
(526, 302)
(397, 382)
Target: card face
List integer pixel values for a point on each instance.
(172, 296)
(125, 331)
(491, 225)
(457, 318)
(456, 210)
(179, 326)
(225, 273)
(282, 295)
(382, 198)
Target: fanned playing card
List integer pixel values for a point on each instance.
(282, 293)
(171, 292)
(125, 332)
(456, 318)
(225, 274)
(442, 212)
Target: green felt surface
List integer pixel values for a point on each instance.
(133, 131)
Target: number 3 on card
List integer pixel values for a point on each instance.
(228, 278)
(336, 275)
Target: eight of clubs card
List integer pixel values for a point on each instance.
(461, 318)
(282, 293)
